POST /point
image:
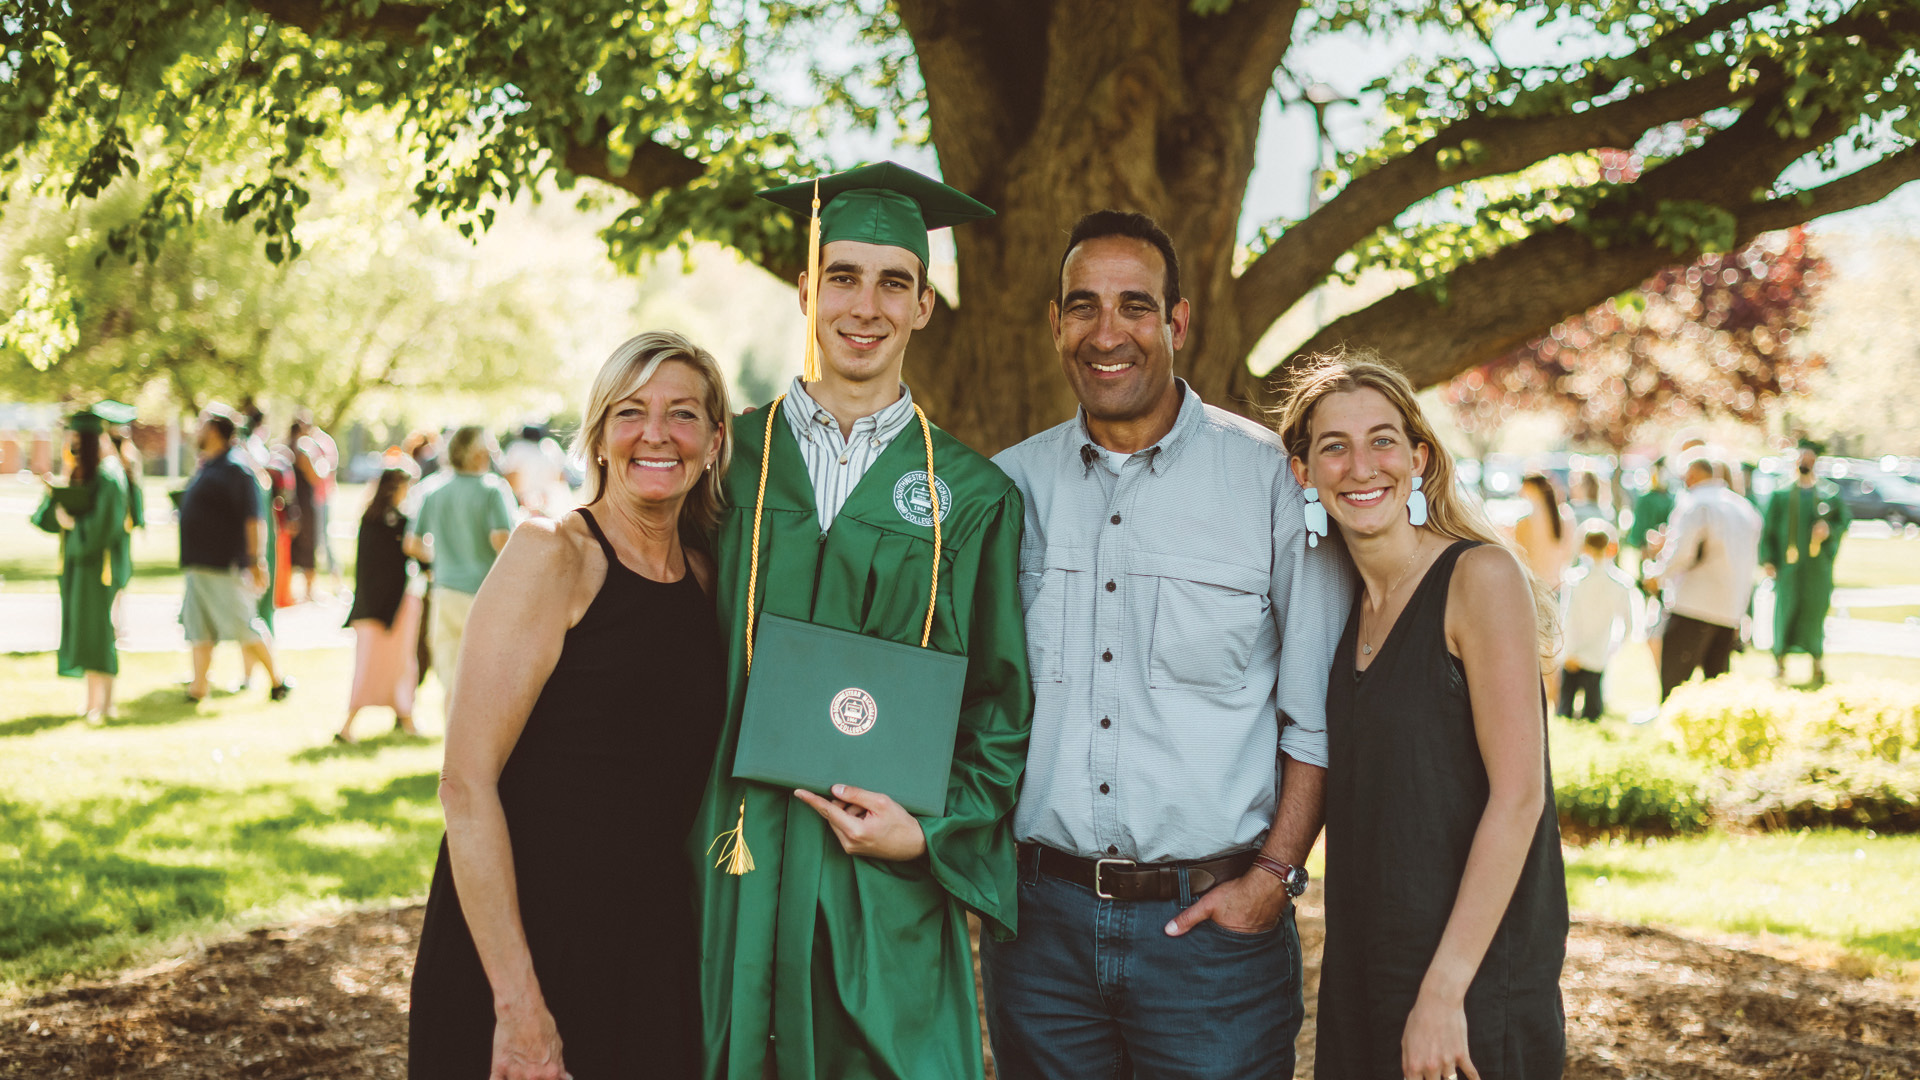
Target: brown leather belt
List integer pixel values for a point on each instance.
(1124, 879)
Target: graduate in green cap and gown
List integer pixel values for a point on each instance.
(833, 931)
(1799, 542)
(89, 512)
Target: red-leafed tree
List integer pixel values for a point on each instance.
(1711, 339)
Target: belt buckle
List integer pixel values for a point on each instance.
(1101, 864)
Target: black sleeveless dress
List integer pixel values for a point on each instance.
(600, 793)
(1405, 791)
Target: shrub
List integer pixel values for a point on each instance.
(1624, 783)
(1878, 719)
(1732, 723)
(1821, 789)
(1788, 758)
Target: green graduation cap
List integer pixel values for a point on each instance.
(86, 422)
(884, 204)
(880, 204)
(114, 412)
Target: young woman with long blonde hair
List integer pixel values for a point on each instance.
(1446, 900)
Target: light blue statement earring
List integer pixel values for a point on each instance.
(1316, 518)
(1416, 505)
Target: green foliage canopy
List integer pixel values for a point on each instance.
(1484, 183)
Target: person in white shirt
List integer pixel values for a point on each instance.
(1707, 567)
(1596, 600)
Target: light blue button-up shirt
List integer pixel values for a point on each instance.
(1179, 631)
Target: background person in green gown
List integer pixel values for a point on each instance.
(89, 512)
(1801, 540)
(842, 952)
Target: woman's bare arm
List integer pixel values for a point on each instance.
(533, 594)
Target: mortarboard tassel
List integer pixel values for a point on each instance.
(735, 856)
(810, 368)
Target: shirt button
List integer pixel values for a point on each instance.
(1103, 789)
(1111, 850)
(1106, 721)
(1107, 656)
(1111, 586)
(1116, 519)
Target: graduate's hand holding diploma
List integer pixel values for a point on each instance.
(869, 823)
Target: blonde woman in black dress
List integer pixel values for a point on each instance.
(560, 937)
(1446, 897)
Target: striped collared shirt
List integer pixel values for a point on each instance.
(1179, 633)
(836, 464)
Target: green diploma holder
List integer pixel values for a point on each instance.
(827, 706)
(75, 499)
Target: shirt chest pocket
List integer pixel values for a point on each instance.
(1047, 576)
(1207, 619)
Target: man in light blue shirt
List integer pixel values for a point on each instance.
(1179, 634)
(462, 525)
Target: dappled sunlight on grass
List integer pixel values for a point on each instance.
(1871, 563)
(179, 819)
(1847, 888)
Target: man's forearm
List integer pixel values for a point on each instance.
(1303, 808)
(254, 552)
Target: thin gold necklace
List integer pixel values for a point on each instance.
(1366, 649)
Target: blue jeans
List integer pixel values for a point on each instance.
(1095, 988)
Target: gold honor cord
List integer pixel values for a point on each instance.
(735, 857)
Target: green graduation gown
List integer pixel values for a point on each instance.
(861, 968)
(136, 519)
(1803, 581)
(95, 561)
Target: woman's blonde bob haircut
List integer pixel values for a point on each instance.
(626, 371)
(1449, 512)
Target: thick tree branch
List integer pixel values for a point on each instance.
(1293, 265)
(1300, 258)
(1869, 185)
(1500, 301)
(651, 168)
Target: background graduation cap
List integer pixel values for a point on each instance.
(885, 204)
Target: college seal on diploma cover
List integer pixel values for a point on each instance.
(853, 711)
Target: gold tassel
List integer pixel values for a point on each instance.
(735, 856)
(810, 367)
(106, 568)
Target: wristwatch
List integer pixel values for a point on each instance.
(1292, 878)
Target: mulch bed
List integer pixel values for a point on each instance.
(327, 1000)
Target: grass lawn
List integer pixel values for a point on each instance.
(1897, 614)
(1847, 894)
(1864, 563)
(174, 824)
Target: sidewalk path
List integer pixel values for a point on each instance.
(30, 622)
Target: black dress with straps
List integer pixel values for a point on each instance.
(599, 792)
(1406, 788)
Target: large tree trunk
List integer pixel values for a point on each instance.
(1139, 106)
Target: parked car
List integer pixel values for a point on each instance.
(1893, 499)
(363, 468)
